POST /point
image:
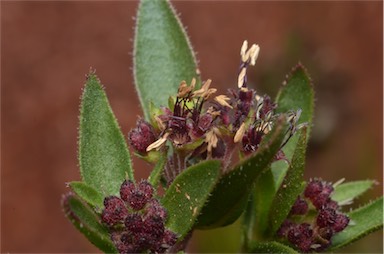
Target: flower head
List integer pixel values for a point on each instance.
(328, 221)
(136, 220)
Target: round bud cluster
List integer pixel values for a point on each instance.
(136, 220)
(141, 136)
(316, 236)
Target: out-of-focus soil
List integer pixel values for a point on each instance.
(48, 47)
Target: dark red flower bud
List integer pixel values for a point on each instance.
(123, 242)
(155, 209)
(284, 228)
(314, 188)
(301, 236)
(126, 190)
(114, 211)
(154, 227)
(137, 200)
(142, 136)
(169, 238)
(326, 218)
(300, 207)
(134, 223)
(321, 200)
(318, 192)
(146, 188)
(341, 222)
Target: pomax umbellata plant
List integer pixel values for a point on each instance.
(192, 136)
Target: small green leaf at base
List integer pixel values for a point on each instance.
(351, 190)
(87, 193)
(163, 56)
(188, 194)
(103, 153)
(363, 221)
(87, 222)
(270, 247)
(291, 186)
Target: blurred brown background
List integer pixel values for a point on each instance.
(48, 47)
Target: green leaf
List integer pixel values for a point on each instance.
(163, 56)
(351, 190)
(363, 221)
(88, 194)
(271, 247)
(291, 186)
(188, 193)
(103, 153)
(87, 222)
(296, 93)
(231, 194)
(258, 209)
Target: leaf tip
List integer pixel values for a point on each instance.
(297, 69)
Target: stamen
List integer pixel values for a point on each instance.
(160, 123)
(213, 112)
(211, 139)
(243, 50)
(184, 89)
(254, 53)
(239, 133)
(205, 91)
(158, 143)
(222, 100)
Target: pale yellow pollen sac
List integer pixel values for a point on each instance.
(184, 89)
(249, 55)
(158, 143)
(239, 133)
(222, 100)
(243, 50)
(205, 91)
(213, 112)
(160, 123)
(254, 53)
(240, 79)
(211, 139)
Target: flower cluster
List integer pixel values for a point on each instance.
(317, 235)
(199, 125)
(136, 220)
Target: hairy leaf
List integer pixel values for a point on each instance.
(363, 221)
(291, 186)
(296, 93)
(103, 153)
(351, 190)
(87, 193)
(259, 206)
(188, 193)
(163, 56)
(271, 247)
(231, 194)
(87, 222)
